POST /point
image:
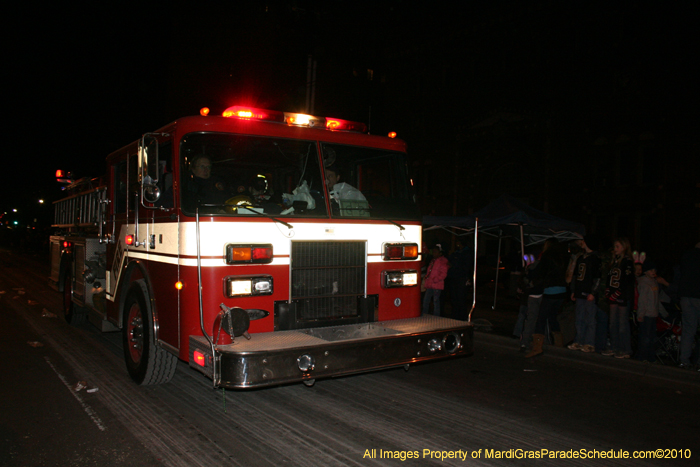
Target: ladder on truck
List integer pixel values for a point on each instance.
(83, 210)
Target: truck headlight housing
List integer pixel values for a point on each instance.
(408, 278)
(241, 286)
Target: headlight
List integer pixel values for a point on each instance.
(238, 286)
(399, 279)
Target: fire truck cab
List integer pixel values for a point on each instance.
(262, 247)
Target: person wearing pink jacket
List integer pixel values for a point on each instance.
(434, 280)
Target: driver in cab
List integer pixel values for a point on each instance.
(201, 188)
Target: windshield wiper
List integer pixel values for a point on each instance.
(395, 223)
(289, 226)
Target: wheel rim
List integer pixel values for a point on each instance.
(135, 333)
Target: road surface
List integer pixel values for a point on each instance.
(469, 411)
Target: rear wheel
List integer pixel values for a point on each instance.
(146, 361)
(73, 313)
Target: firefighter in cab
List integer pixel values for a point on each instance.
(203, 188)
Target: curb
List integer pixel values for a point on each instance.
(630, 366)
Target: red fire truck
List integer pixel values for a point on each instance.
(262, 247)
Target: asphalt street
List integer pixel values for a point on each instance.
(495, 403)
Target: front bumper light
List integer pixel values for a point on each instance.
(407, 278)
(240, 286)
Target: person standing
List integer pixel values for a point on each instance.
(435, 280)
(461, 265)
(647, 311)
(532, 290)
(689, 291)
(619, 292)
(552, 270)
(584, 290)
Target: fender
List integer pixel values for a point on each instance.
(135, 270)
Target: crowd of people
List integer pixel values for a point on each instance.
(614, 291)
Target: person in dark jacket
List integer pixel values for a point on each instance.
(619, 292)
(552, 270)
(584, 290)
(201, 187)
(689, 291)
(461, 268)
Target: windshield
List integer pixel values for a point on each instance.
(228, 174)
(367, 182)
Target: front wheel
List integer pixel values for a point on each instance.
(146, 362)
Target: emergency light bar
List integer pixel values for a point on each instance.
(63, 176)
(250, 113)
(293, 119)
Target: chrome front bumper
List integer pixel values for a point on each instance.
(281, 357)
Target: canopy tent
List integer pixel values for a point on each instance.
(510, 217)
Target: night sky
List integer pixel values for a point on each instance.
(85, 81)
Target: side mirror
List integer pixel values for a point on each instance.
(148, 168)
(151, 193)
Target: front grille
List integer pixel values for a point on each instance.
(327, 279)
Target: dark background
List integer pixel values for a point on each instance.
(586, 110)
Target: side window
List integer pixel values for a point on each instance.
(165, 178)
(120, 184)
(134, 187)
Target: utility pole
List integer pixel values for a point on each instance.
(310, 85)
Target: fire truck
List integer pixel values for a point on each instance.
(262, 247)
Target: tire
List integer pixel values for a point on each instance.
(74, 314)
(146, 362)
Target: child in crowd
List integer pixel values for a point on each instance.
(647, 311)
(435, 280)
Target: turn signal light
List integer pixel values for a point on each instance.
(400, 251)
(256, 254)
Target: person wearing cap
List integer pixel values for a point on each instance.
(647, 311)
(584, 290)
(435, 280)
